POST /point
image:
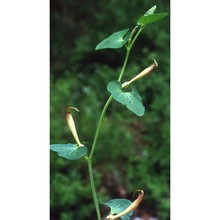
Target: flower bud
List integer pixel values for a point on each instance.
(145, 72)
(71, 125)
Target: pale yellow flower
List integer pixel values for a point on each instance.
(71, 124)
(143, 73)
(130, 208)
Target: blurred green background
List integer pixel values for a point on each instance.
(132, 152)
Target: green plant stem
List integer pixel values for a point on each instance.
(135, 38)
(90, 160)
(93, 189)
(124, 64)
(128, 49)
(128, 53)
(98, 127)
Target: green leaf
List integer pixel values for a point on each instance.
(132, 100)
(119, 205)
(150, 18)
(69, 151)
(116, 40)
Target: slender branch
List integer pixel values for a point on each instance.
(128, 52)
(135, 38)
(93, 189)
(98, 127)
(124, 64)
(90, 160)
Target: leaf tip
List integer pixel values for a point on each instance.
(141, 114)
(154, 7)
(97, 47)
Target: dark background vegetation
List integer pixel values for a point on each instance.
(132, 152)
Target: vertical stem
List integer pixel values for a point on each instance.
(98, 129)
(124, 65)
(135, 38)
(90, 160)
(93, 189)
(128, 53)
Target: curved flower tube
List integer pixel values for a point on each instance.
(71, 124)
(143, 73)
(130, 208)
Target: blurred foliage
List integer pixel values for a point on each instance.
(132, 152)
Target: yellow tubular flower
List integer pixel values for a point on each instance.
(130, 208)
(71, 125)
(145, 72)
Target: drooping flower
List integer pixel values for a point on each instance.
(71, 124)
(130, 208)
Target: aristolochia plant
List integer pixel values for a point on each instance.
(120, 208)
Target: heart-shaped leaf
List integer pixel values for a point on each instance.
(150, 18)
(132, 100)
(69, 151)
(116, 40)
(119, 205)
